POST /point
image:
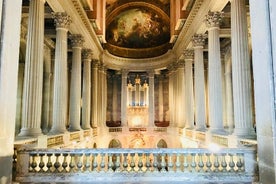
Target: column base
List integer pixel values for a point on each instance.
(201, 129)
(190, 128)
(248, 133)
(56, 131)
(74, 129)
(219, 131)
(33, 132)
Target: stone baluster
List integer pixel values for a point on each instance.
(200, 118)
(33, 75)
(213, 20)
(86, 91)
(241, 70)
(64, 163)
(60, 98)
(95, 162)
(72, 163)
(75, 86)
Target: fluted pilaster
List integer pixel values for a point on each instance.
(189, 91)
(151, 98)
(33, 76)
(242, 89)
(86, 89)
(200, 111)
(75, 87)
(213, 20)
(47, 75)
(94, 90)
(124, 98)
(60, 99)
(160, 98)
(115, 97)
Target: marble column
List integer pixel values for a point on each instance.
(189, 88)
(200, 111)
(9, 60)
(242, 89)
(124, 98)
(94, 93)
(75, 86)
(62, 21)
(33, 76)
(212, 21)
(115, 98)
(160, 99)
(181, 112)
(86, 88)
(99, 95)
(229, 91)
(151, 99)
(104, 96)
(47, 75)
(262, 16)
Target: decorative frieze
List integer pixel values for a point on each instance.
(62, 20)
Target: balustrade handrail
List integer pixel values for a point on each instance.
(234, 162)
(142, 150)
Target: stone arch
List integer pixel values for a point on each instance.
(115, 143)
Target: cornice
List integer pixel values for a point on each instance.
(119, 63)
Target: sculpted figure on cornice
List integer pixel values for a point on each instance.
(62, 20)
(213, 19)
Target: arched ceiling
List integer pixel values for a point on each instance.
(137, 29)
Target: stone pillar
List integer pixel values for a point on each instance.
(129, 94)
(151, 99)
(75, 86)
(160, 99)
(200, 112)
(124, 98)
(94, 91)
(242, 89)
(229, 93)
(115, 98)
(262, 16)
(33, 75)
(86, 89)
(47, 75)
(104, 95)
(9, 57)
(62, 21)
(189, 89)
(146, 93)
(181, 112)
(213, 20)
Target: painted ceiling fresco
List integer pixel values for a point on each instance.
(138, 28)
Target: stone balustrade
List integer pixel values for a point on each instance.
(95, 165)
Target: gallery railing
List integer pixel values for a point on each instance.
(54, 165)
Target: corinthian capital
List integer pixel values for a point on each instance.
(76, 40)
(199, 40)
(189, 54)
(62, 20)
(87, 53)
(213, 19)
